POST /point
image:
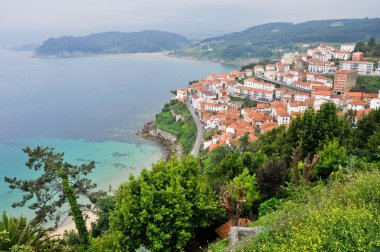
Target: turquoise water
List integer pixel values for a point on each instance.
(89, 108)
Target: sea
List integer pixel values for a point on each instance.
(89, 108)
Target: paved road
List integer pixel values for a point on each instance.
(199, 139)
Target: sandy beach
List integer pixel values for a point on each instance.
(69, 225)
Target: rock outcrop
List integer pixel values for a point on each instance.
(168, 141)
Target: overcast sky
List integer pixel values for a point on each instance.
(32, 21)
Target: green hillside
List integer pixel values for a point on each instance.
(272, 39)
(113, 42)
(343, 215)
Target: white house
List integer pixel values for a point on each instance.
(356, 105)
(319, 67)
(296, 107)
(301, 97)
(375, 103)
(347, 47)
(361, 67)
(289, 78)
(259, 84)
(215, 107)
(258, 70)
(342, 55)
(282, 116)
(181, 94)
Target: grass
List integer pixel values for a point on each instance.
(339, 216)
(370, 84)
(185, 131)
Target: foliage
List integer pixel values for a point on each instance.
(313, 130)
(342, 216)
(272, 178)
(332, 157)
(108, 243)
(224, 164)
(263, 41)
(20, 232)
(220, 245)
(59, 183)
(239, 194)
(102, 209)
(185, 131)
(252, 65)
(162, 208)
(248, 183)
(273, 143)
(366, 127)
(371, 48)
(368, 84)
(269, 206)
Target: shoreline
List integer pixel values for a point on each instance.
(165, 140)
(84, 55)
(69, 224)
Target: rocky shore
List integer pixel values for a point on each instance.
(166, 140)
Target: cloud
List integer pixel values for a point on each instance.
(192, 18)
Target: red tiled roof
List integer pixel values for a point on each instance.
(224, 230)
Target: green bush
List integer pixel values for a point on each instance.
(269, 206)
(342, 216)
(185, 131)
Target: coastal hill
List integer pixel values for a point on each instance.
(265, 40)
(112, 42)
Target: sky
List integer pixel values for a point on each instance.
(33, 21)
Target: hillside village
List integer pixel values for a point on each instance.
(282, 90)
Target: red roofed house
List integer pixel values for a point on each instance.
(224, 230)
(181, 94)
(357, 56)
(356, 105)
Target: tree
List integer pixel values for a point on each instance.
(225, 164)
(365, 129)
(103, 208)
(315, 130)
(271, 178)
(239, 193)
(18, 231)
(360, 47)
(374, 145)
(331, 157)
(59, 183)
(371, 43)
(162, 208)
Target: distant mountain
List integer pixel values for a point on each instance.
(113, 42)
(265, 40)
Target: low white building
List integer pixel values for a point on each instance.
(259, 84)
(342, 55)
(356, 105)
(181, 94)
(301, 97)
(347, 47)
(375, 103)
(361, 67)
(215, 107)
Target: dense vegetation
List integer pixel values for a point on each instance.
(313, 186)
(184, 129)
(371, 48)
(263, 41)
(368, 84)
(340, 216)
(113, 42)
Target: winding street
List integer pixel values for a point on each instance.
(198, 141)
